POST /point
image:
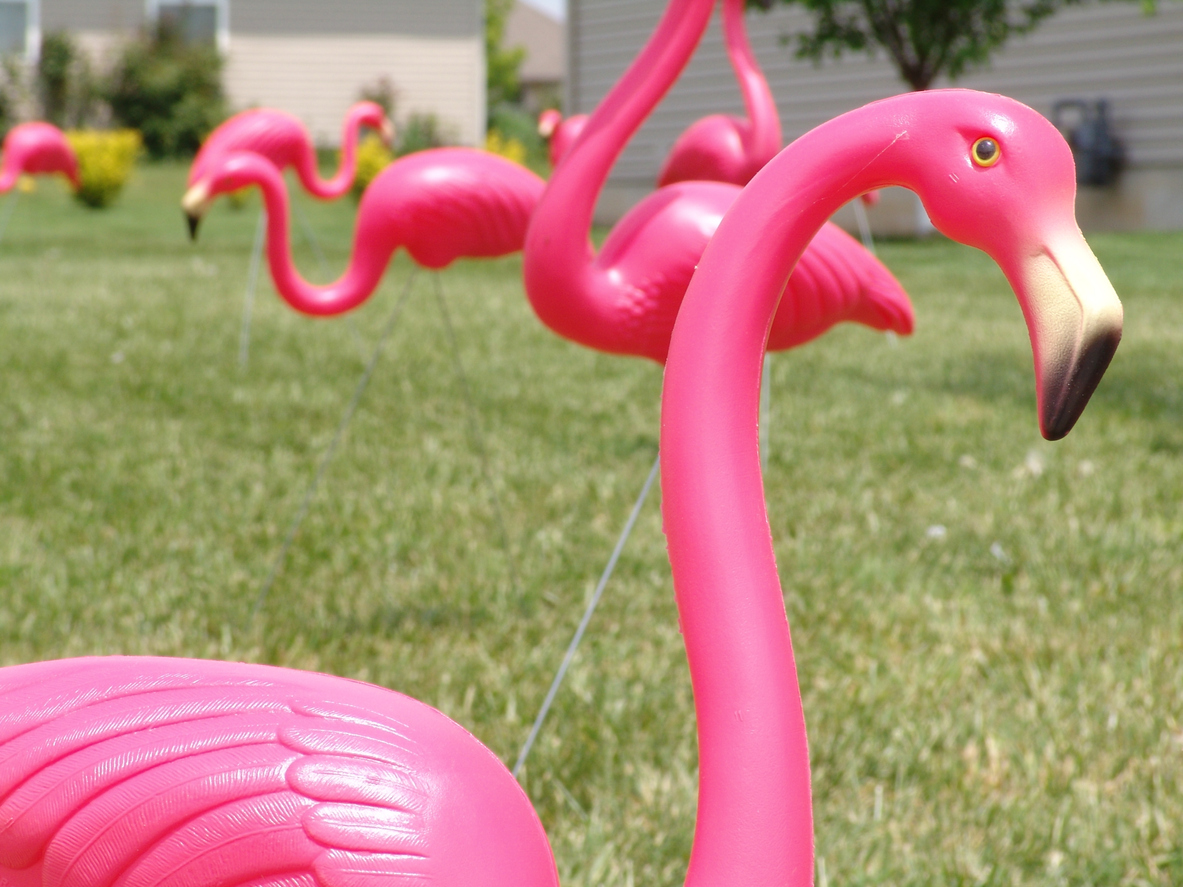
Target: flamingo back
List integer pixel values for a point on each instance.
(276, 135)
(151, 772)
(712, 149)
(838, 280)
(37, 148)
(450, 203)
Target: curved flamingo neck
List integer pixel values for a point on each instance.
(339, 184)
(558, 253)
(371, 253)
(764, 136)
(754, 822)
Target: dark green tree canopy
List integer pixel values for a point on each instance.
(924, 38)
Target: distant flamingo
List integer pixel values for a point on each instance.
(722, 147)
(147, 771)
(625, 299)
(559, 133)
(441, 205)
(284, 140)
(36, 149)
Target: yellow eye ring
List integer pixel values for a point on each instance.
(986, 152)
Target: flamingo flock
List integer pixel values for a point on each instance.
(154, 772)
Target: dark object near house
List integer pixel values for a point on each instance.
(1098, 152)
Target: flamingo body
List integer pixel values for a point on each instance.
(442, 204)
(150, 772)
(625, 299)
(284, 140)
(723, 147)
(36, 148)
(559, 132)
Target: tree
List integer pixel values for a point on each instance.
(501, 76)
(924, 38)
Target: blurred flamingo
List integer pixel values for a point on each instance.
(723, 147)
(147, 771)
(625, 299)
(284, 140)
(560, 133)
(441, 205)
(36, 148)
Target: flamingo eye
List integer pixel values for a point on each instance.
(986, 152)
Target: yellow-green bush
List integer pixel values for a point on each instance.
(105, 161)
(372, 157)
(509, 148)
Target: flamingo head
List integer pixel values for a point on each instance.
(548, 122)
(225, 173)
(372, 115)
(996, 175)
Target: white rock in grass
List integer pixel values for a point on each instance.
(936, 531)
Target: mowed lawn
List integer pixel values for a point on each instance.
(989, 627)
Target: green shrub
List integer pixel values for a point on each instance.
(420, 132)
(514, 124)
(372, 157)
(64, 82)
(168, 90)
(105, 161)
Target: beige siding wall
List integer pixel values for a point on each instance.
(1106, 50)
(317, 78)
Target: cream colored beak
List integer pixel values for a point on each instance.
(1074, 318)
(196, 204)
(386, 132)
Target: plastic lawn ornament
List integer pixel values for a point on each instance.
(441, 205)
(624, 299)
(196, 774)
(722, 147)
(560, 134)
(283, 140)
(36, 149)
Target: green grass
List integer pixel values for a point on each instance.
(976, 717)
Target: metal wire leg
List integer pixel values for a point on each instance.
(306, 502)
(478, 440)
(252, 280)
(587, 615)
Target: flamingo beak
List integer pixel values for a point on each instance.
(196, 204)
(1074, 318)
(546, 127)
(386, 133)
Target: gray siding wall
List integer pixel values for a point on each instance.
(1108, 50)
(412, 18)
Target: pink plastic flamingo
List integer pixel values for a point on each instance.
(722, 147)
(625, 299)
(994, 174)
(36, 148)
(441, 205)
(283, 140)
(559, 133)
(144, 771)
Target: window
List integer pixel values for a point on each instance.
(20, 28)
(197, 21)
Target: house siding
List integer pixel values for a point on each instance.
(1100, 50)
(431, 75)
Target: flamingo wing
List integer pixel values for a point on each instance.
(174, 773)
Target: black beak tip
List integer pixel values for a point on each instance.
(194, 222)
(1090, 367)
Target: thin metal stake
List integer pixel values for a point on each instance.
(474, 430)
(328, 454)
(326, 272)
(587, 615)
(9, 206)
(864, 225)
(248, 302)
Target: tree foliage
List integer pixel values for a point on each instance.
(924, 38)
(170, 90)
(502, 64)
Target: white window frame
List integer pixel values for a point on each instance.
(32, 30)
(222, 7)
